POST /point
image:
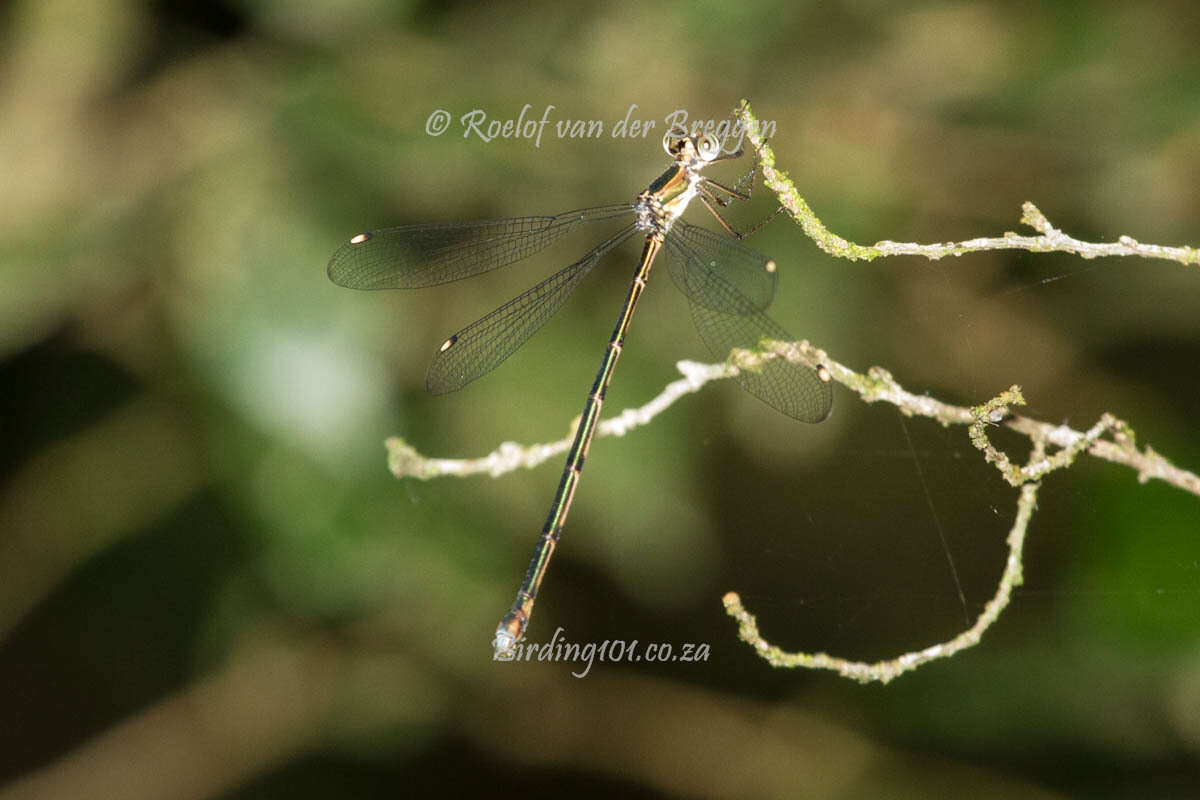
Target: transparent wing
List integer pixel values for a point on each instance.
(728, 287)
(416, 256)
(793, 389)
(480, 347)
(719, 272)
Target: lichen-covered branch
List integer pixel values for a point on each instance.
(875, 386)
(1049, 238)
(405, 462)
(884, 671)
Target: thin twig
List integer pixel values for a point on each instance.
(884, 671)
(875, 386)
(1050, 239)
(405, 462)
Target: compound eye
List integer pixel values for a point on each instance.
(672, 144)
(708, 147)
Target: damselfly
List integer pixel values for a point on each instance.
(728, 286)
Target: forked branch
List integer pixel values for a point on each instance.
(1053, 447)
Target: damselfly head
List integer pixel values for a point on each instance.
(699, 146)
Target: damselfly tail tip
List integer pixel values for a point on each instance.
(503, 645)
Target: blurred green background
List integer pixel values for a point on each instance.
(210, 585)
